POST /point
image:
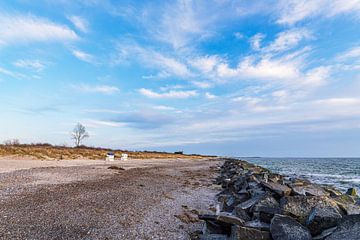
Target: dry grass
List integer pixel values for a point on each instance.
(46, 151)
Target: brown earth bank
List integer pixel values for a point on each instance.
(136, 199)
(50, 152)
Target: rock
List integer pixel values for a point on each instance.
(348, 229)
(287, 228)
(266, 208)
(347, 204)
(332, 191)
(116, 168)
(241, 213)
(251, 202)
(300, 207)
(213, 237)
(231, 219)
(320, 219)
(258, 225)
(351, 192)
(309, 190)
(245, 233)
(278, 188)
(325, 234)
(222, 219)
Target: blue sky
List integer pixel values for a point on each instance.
(230, 77)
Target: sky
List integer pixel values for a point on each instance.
(224, 77)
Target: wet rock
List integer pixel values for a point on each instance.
(309, 190)
(325, 234)
(258, 225)
(320, 219)
(278, 188)
(300, 207)
(246, 233)
(287, 228)
(266, 208)
(351, 192)
(348, 229)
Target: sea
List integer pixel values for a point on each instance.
(342, 173)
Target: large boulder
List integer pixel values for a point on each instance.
(320, 219)
(281, 190)
(246, 233)
(300, 207)
(325, 233)
(241, 213)
(287, 228)
(266, 208)
(348, 229)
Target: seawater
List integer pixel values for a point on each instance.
(342, 173)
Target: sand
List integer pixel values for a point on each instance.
(83, 199)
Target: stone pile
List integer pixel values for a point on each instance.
(258, 204)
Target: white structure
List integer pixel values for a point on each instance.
(124, 157)
(110, 156)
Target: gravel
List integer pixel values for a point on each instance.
(94, 202)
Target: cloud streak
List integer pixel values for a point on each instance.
(28, 28)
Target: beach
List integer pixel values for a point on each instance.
(84, 199)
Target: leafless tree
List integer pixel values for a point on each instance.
(78, 134)
(12, 142)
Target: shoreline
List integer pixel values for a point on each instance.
(258, 204)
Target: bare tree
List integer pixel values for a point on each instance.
(78, 134)
(12, 142)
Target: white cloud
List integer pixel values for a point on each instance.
(170, 94)
(166, 64)
(293, 11)
(98, 123)
(263, 69)
(181, 23)
(205, 64)
(239, 35)
(163, 108)
(350, 54)
(255, 41)
(202, 84)
(27, 28)
(80, 23)
(288, 39)
(339, 101)
(104, 89)
(210, 96)
(11, 73)
(83, 56)
(36, 65)
(317, 76)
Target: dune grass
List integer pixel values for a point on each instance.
(50, 152)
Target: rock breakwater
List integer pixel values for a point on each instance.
(258, 204)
